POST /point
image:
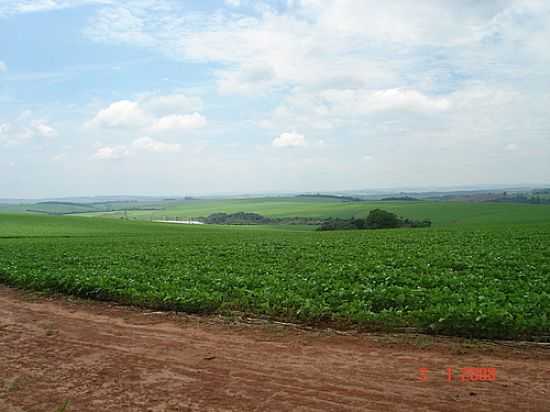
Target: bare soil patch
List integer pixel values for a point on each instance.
(103, 357)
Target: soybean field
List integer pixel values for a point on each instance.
(482, 280)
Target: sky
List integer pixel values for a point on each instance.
(158, 97)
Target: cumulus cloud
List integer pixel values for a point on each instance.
(400, 80)
(385, 100)
(331, 109)
(25, 129)
(111, 152)
(121, 114)
(151, 113)
(289, 139)
(178, 122)
(402, 21)
(43, 129)
(147, 114)
(321, 43)
(275, 50)
(152, 145)
(143, 144)
(247, 81)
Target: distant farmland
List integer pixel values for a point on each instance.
(440, 212)
(67, 208)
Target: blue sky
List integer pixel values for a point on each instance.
(160, 97)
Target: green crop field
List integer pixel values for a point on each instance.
(441, 213)
(483, 270)
(60, 208)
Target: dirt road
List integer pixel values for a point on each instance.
(103, 357)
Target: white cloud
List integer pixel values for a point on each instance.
(144, 113)
(402, 99)
(125, 25)
(43, 129)
(177, 122)
(173, 103)
(275, 50)
(37, 5)
(399, 80)
(364, 101)
(143, 144)
(233, 3)
(402, 21)
(10, 7)
(289, 139)
(332, 109)
(246, 81)
(3, 67)
(151, 145)
(111, 152)
(342, 43)
(121, 114)
(4, 133)
(25, 129)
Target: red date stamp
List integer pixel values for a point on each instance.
(464, 375)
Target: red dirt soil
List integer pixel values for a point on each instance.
(106, 357)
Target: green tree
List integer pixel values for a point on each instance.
(381, 219)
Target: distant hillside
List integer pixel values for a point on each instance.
(66, 208)
(60, 208)
(329, 197)
(400, 198)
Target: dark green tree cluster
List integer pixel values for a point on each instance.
(377, 219)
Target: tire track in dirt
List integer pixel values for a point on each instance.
(101, 356)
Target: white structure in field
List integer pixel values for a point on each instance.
(181, 222)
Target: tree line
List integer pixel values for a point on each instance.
(376, 219)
